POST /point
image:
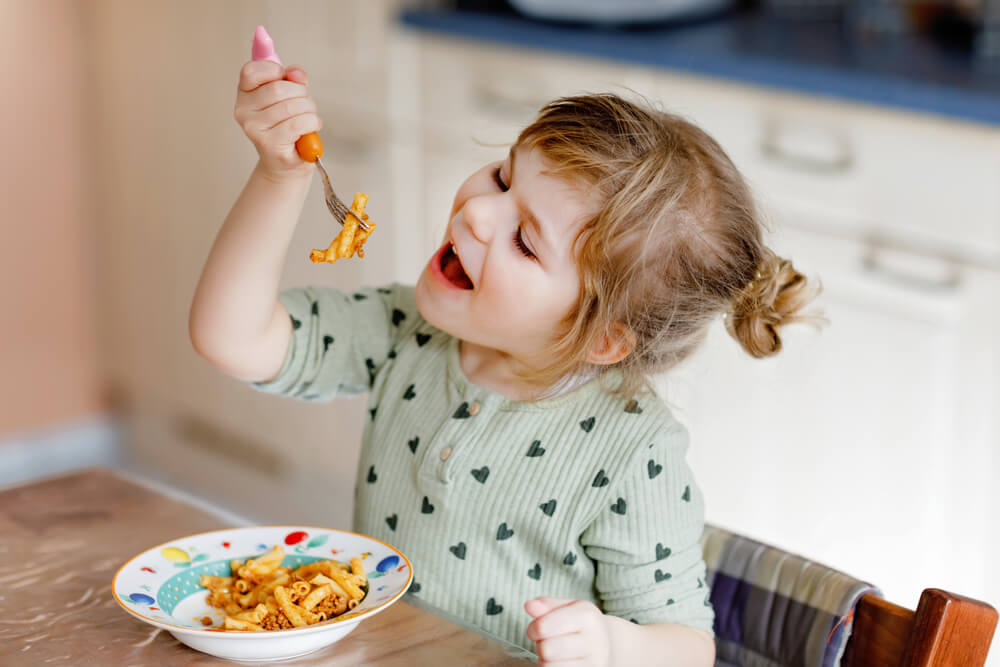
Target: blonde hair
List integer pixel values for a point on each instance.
(677, 241)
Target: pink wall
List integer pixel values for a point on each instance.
(48, 345)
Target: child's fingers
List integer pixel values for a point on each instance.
(258, 72)
(279, 112)
(287, 132)
(543, 605)
(297, 74)
(562, 649)
(270, 94)
(577, 616)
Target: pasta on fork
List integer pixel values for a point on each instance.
(262, 594)
(351, 237)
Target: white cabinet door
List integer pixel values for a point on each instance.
(850, 446)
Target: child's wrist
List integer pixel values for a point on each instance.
(621, 635)
(295, 177)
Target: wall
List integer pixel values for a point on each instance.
(172, 161)
(48, 342)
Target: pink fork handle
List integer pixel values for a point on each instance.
(263, 46)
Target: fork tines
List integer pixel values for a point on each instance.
(340, 211)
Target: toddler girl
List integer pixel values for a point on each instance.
(513, 447)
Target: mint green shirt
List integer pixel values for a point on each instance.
(496, 501)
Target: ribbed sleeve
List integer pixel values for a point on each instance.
(649, 561)
(339, 341)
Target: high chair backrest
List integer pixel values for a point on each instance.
(778, 609)
(946, 629)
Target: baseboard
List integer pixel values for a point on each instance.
(94, 441)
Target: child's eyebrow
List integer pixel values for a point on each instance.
(526, 212)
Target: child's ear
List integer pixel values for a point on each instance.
(613, 346)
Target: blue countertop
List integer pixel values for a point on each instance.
(907, 73)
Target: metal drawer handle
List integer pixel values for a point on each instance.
(776, 145)
(875, 263)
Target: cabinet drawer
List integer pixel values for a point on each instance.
(929, 180)
(491, 92)
(936, 181)
(806, 160)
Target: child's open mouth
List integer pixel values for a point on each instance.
(454, 272)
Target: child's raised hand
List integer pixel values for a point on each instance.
(274, 109)
(569, 632)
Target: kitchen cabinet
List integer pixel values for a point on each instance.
(877, 430)
(869, 442)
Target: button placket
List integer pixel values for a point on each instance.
(460, 429)
(446, 455)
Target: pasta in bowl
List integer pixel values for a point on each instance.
(263, 593)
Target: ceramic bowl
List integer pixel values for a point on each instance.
(161, 586)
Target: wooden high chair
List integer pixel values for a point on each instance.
(945, 630)
(780, 609)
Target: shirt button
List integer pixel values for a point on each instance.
(474, 408)
(445, 453)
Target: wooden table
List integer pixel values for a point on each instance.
(62, 540)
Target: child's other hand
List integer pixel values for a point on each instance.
(569, 632)
(274, 109)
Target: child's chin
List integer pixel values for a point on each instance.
(426, 307)
(421, 294)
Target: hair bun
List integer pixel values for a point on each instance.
(774, 298)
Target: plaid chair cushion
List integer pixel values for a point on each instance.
(776, 609)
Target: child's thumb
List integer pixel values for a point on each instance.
(541, 606)
(296, 74)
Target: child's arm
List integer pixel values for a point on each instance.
(568, 629)
(660, 644)
(655, 604)
(236, 320)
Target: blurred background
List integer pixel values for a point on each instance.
(870, 132)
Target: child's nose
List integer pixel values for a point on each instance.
(482, 214)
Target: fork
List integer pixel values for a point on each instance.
(310, 149)
(308, 146)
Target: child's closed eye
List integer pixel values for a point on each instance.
(499, 180)
(521, 245)
(518, 235)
